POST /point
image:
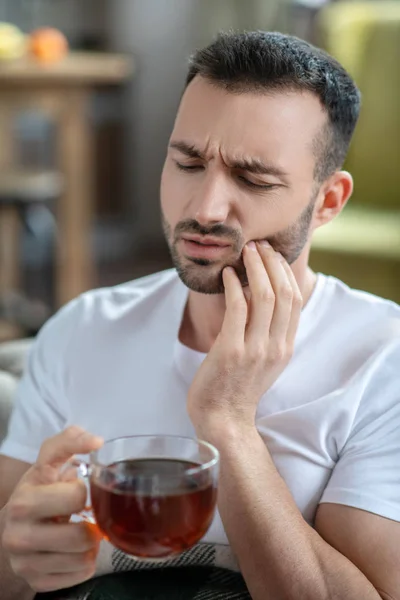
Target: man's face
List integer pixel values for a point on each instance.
(240, 167)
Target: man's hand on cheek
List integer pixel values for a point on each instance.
(254, 346)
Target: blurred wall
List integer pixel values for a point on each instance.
(157, 35)
(76, 18)
(161, 34)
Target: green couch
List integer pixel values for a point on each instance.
(362, 246)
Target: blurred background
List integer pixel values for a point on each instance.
(89, 91)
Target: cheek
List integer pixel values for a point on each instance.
(167, 193)
(263, 216)
(171, 194)
(266, 216)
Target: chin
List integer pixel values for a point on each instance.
(205, 277)
(201, 277)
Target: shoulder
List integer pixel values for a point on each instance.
(366, 318)
(128, 295)
(368, 341)
(102, 307)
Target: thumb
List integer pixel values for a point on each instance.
(59, 449)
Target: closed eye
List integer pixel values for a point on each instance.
(242, 179)
(189, 167)
(259, 186)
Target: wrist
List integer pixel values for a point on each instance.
(234, 418)
(227, 433)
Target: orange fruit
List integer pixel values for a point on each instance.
(48, 44)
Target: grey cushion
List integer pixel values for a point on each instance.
(13, 356)
(12, 361)
(8, 385)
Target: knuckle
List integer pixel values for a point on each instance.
(9, 540)
(15, 542)
(257, 354)
(26, 543)
(286, 292)
(277, 354)
(269, 297)
(297, 301)
(19, 507)
(265, 295)
(234, 355)
(23, 568)
(66, 437)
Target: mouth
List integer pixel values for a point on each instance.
(205, 240)
(206, 247)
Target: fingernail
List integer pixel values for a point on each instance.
(90, 438)
(265, 244)
(251, 245)
(99, 441)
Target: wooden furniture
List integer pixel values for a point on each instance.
(62, 91)
(19, 189)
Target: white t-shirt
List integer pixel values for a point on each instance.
(111, 362)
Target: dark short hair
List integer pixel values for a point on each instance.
(259, 61)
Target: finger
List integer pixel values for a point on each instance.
(282, 290)
(48, 563)
(40, 475)
(297, 305)
(234, 324)
(47, 501)
(51, 537)
(262, 295)
(57, 450)
(52, 583)
(46, 474)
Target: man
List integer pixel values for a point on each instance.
(293, 376)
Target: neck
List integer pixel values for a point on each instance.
(204, 314)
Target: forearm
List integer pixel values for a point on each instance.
(11, 586)
(280, 555)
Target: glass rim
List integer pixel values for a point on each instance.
(192, 471)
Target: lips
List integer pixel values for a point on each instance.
(205, 241)
(205, 248)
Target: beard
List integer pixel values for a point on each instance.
(205, 276)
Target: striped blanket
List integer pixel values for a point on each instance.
(191, 576)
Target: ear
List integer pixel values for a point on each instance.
(332, 198)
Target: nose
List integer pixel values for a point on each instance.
(212, 200)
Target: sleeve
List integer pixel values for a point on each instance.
(41, 408)
(367, 474)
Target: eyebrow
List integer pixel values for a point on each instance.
(252, 165)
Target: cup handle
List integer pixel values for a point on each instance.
(79, 469)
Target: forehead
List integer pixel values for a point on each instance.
(279, 126)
